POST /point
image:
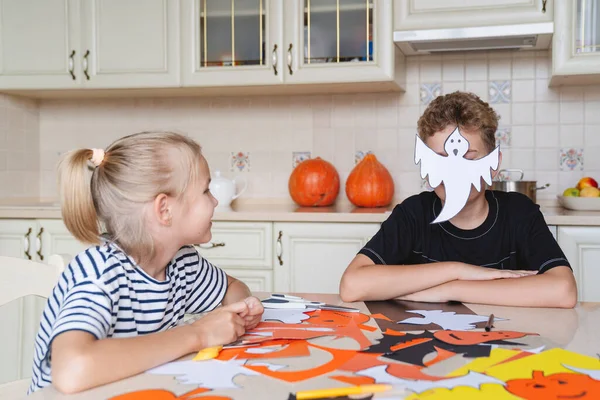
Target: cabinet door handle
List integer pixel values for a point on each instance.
(72, 64)
(280, 248)
(289, 59)
(85, 65)
(274, 59)
(39, 244)
(27, 244)
(544, 5)
(212, 245)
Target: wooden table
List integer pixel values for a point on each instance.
(574, 329)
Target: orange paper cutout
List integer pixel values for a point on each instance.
(410, 343)
(293, 348)
(354, 380)
(391, 332)
(362, 361)
(470, 338)
(339, 358)
(441, 355)
(160, 394)
(381, 316)
(562, 385)
(339, 318)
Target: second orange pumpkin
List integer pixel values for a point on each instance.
(370, 184)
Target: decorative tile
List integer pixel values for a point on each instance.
(570, 159)
(299, 156)
(430, 91)
(425, 185)
(500, 92)
(359, 155)
(240, 161)
(503, 136)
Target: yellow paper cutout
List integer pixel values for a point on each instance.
(482, 363)
(487, 391)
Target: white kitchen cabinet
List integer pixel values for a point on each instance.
(311, 257)
(329, 41)
(437, 14)
(39, 44)
(130, 43)
(576, 43)
(256, 280)
(581, 245)
(227, 43)
(36, 239)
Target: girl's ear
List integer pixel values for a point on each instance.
(495, 171)
(162, 209)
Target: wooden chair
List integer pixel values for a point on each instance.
(24, 286)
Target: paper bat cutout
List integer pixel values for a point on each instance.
(286, 316)
(447, 319)
(472, 379)
(457, 173)
(412, 348)
(212, 374)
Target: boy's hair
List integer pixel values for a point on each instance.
(461, 109)
(117, 194)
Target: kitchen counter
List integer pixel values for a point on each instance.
(278, 211)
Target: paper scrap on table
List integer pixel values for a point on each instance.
(447, 320)
(212, 374)
(472, 379)
(286, 316)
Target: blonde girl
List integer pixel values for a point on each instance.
(117, 309)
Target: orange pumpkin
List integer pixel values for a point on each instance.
(314, 182)
(555, 386)
(370, 184)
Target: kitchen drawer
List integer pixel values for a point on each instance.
(240, 245)
(257, 281)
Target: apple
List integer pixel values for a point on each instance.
(572, 192)
(587, 182)
(589, 192)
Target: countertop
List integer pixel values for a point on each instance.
(271, 210)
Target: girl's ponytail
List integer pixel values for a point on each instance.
(77, 206)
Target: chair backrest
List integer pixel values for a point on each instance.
(24, 277)
(24, 287)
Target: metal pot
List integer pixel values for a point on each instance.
(528, 188)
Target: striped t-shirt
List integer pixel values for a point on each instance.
(103, 292)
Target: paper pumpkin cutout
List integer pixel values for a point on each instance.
(555, 386)
(463, 338)
(457, 173)
(338, 318)
(159, 394)
(446, 319)
(287, 348)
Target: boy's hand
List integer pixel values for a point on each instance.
(468, 272)
(221, 326)
(254, 314)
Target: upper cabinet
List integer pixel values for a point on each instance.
(437, 14)
(576, 43)
(130, 43)
(333, 41)
(39, 44)
(231, 42)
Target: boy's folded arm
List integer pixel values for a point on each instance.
(554, 288)
(80, 361)
(364, 280)
(236, 291)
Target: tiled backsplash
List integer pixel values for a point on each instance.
(19, 147)
(552, 134)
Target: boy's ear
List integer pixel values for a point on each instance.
(162, 209)
(495, 171)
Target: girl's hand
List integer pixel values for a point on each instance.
(468, 272)
(255, 312)
(222, 326)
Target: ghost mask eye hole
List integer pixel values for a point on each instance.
(458, 140)
(451, 140)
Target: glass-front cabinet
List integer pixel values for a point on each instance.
(576, 43)
(231, 42)
(266, 42)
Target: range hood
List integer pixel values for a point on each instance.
(536, 36)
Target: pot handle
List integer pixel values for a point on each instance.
(542, 187)
(513, 170)
(238, 194)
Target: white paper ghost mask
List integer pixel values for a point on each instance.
(457, 173)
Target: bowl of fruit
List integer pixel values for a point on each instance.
(583, 197)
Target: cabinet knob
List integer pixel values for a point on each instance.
(85, 65)
(72, 64)
(280, 248)
(290, 59)
(212, 245)
(39, 244)
(27, 244)
(274, 59)
(544, 5)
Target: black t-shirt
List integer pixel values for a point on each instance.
(513, 236)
